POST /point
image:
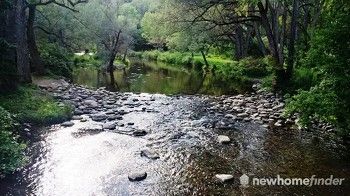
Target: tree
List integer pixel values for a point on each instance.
(32, 46)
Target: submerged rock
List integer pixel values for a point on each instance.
(139, 176)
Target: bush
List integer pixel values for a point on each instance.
(30, 105)
(11, 151)
(328, 59)
(56, 59)
(87, 60)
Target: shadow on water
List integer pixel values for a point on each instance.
(156, 77)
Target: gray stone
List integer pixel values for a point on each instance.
(223, 139)
(99, 117)
(109, 126)
(91, 103)
(224, 177)
(77, 117)
(139, 133)
(67, 124)
(139, 176)
(149, 154)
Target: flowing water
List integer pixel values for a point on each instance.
(181, 129)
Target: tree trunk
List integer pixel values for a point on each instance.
(113, 54)
(238, 43)
(271, 37)
(205, 61)
(23, 66)
(259, 39)
(124, 57)
(8, 70)
(35, 60)
(293, 33)
(283, 33)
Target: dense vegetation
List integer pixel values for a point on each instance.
(11, 150)
(298, 48)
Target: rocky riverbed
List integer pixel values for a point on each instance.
(152, 144)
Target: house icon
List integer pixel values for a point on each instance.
(244, 180)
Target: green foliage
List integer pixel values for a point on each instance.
(11, 150)
(31, 105)
(329, 57)
(87, 60)
(316, 103)
(56, 59)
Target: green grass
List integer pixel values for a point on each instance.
(28, 104)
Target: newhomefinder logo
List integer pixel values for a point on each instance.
(279, 181)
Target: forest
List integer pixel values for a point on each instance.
(297, 51)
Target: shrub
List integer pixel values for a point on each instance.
(56, 59)
(11, 151)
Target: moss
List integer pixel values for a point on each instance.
(28, 104)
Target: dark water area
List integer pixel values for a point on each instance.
(158, 77)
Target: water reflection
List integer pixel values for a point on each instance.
(155, 77)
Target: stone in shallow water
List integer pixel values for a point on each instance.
(139, 176)
(224, 177)
(67, 124)
(77, 117)
(223, 139)
(149, 154)
(109, 126)
(99, 117)
(140, 133)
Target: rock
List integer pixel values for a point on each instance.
(83, 120)
(114, 117)
(99, 117)
(77, 117)
(131, 123)
(243, 115)
(223, 139)
(149, 154)
(109, 126)
(224, 177)
(91, 103)
(229, 116)
(67, 124)
(92, 128)
(78, 112)
(139, 133)
(139, 176)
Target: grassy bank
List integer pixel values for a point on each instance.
(27, 104)
(245, 69)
